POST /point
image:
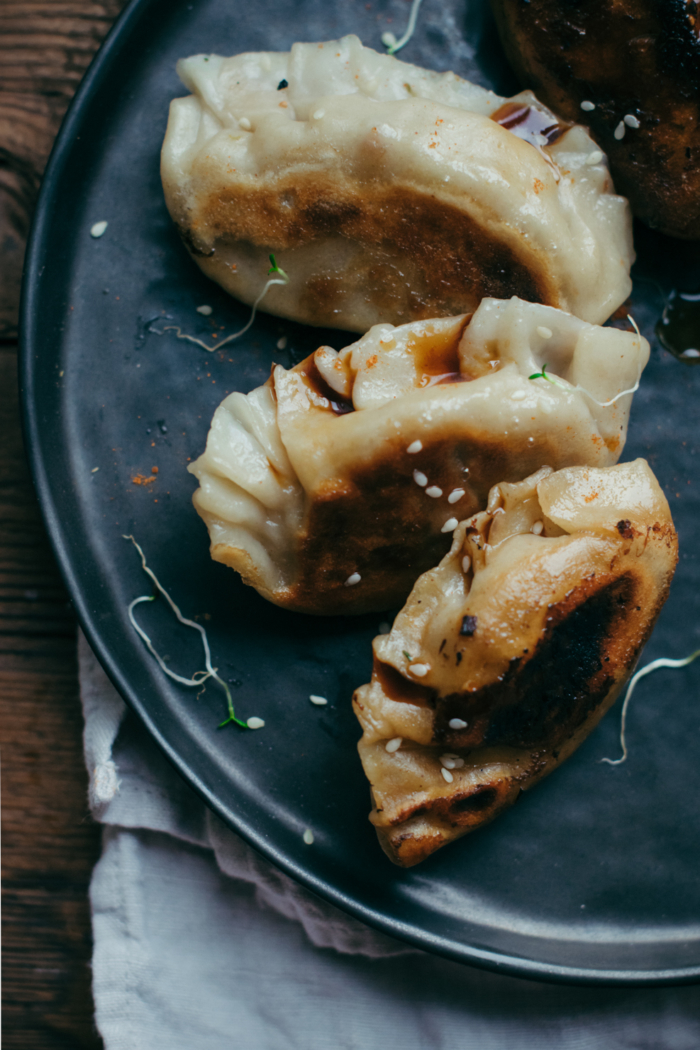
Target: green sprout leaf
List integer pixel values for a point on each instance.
(541, 375)
(274, 268)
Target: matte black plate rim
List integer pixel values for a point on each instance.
(504, 963)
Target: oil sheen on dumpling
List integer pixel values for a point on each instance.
(387, 192)
(334, 485)
(509, 652)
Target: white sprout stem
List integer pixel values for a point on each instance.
(229, 338)
(632, 390)
(393, 48)
(653, 666)
(199, 676)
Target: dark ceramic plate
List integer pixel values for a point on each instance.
(594, 875)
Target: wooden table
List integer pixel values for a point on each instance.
(50, 843)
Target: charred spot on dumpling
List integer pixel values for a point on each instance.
(475, 803)
(543, 700)
(624, 527)
(468, 625)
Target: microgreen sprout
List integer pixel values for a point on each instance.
(199, 676)
(543, 375)
(390, 42)
(407, 655)
(282, 278)
(653, 666)
(274, 268)
(582, 389)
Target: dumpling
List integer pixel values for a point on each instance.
(387, 193)
(644, 110)
(334, 485)
(510, 651)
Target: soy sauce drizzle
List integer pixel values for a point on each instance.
(338, 404)
(678, 329)
(529, 123)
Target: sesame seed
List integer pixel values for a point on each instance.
(587, 106)
(537, 528)
(308, 837)
(466, 563)
(447, 775)
(353, 579)
(319, 113)
(450, 525)
(546, 333)
(255, 723)
(455, 495)
(434, 492)
(690, 353)
(518, 395)
(595, 157)
(458, 763)
(420, 478)
(98, 229)
(457, 723)
(94, 470)
(320, 701)
(414, 447)
(619, 132)
(282, 343)
(419, 670)
(244, 123)
(393, 745)
(631, 121)
(204, 310)
(387, 339)
(448, 761)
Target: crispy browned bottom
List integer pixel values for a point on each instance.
(417, 256)
(635, 57)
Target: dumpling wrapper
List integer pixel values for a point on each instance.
(526, 645)
(334, 485)
(387, 192)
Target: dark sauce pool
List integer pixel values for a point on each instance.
(678, 329)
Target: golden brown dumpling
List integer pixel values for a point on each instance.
(386, 191)
(509, 652)
(630, 70)
(334, 485)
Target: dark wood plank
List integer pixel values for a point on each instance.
(50, 843)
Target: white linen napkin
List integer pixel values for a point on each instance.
(201, 944)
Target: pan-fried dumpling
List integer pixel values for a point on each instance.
(509, 652)
(644, 110)
(387, 192)
(333, 486)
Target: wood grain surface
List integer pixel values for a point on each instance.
(50, 844)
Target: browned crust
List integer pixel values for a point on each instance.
(639, 57)
(423, 257)
(402, 541)
(548, 701)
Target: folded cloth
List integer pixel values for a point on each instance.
(194, 948)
